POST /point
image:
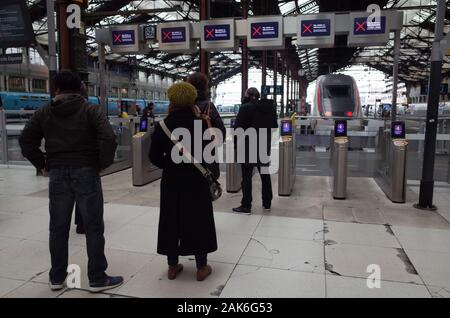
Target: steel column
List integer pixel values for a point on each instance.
(244, 53)
(52, 67)
(283, 73)
(395, 74)
(102, 77)
(427, 182)
(275, 76)
(204, 55)
(264, 69)
(64, 37)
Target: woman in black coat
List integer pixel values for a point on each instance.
(186, 224)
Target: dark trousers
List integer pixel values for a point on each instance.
(78, 218)
(247, 174)
(83, 186)
(201, 260)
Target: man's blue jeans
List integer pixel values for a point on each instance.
(83, 186)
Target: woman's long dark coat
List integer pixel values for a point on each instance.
(186, 224)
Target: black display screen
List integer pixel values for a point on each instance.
(317, 27)
(173, 35)
(286, 128)
(264, 30)
(398, 130)
(143, 126)
(15, 24)
(340, 128)
(214, 32)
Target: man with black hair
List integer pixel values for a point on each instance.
(79, 142)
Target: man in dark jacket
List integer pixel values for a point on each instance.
(79, 142)
(260, 115)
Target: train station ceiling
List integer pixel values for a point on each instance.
(416, 36)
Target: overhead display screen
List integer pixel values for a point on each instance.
(150, 32)
(15, 25)
(265, 33)
(264, 30)
(316, 30)
(217, 32)
(173, 35)
(319, 27)
(363, 26)
(123, 37)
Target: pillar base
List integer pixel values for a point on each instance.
(428, 208)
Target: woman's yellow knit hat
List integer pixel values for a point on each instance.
(182, 94)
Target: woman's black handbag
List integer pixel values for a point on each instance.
(215, 188)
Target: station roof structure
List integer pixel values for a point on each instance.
(416, 36)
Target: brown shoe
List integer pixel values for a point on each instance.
(174, 271)
(203, 272)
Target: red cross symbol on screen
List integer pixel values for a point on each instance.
(256, 31)
(360, 26)
(307, 28)
(117, 38)
(166, 35)
(209, 33)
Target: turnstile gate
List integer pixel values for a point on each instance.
(391, 173)
(339, 160)
(287, 159)
(144, 172)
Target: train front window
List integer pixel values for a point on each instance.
(337, 91)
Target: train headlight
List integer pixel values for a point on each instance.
(328, 114)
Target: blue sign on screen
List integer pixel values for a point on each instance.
(125, 37)
(340, 128)
(217, 32)
(286, 128)
(313, 28)
(144, 125)
(264, 30)
(173, 35)
(364, 26)
(398, 130)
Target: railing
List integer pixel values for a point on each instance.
(313, 136)
(10, 152)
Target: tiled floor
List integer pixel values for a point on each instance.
(308, 246)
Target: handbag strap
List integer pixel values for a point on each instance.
(185, 153)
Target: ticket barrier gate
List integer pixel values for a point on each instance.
(233, 177)
(287, 159)
(391, 173)
(144, 172)
(339, 159)
(234, 171)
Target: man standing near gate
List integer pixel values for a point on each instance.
(79, 142)
(259, 115)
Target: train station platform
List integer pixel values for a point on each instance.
(309, 245)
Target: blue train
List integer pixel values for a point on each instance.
(32, 101)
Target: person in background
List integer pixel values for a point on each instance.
(79, 142)
(258, 115)
(186, 223)
(206, 107)
(148, 112)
